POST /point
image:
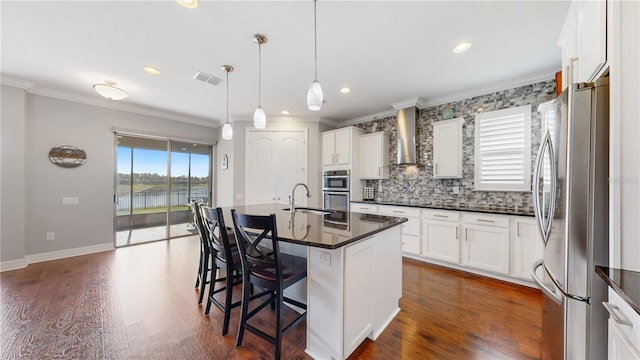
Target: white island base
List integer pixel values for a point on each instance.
(352, 293)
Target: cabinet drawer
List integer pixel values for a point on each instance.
(411, 244)
(486, 220)
(399, 211)
(364, 208)
(446, 215)
(623, 311)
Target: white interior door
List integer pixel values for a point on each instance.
(276, 161)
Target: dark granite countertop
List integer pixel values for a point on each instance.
(492, 209)
(625, 283)
(312, 228)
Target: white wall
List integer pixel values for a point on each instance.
(12, 175)
(50, 122)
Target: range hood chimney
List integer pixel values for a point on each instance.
(406, 136)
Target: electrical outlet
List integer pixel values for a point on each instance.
(51, 236)
(456, 190)
(324, 258)
(70, 200)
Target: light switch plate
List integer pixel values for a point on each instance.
(456, 190)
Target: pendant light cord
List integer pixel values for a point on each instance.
(315, 41)
(259, 74)
(227, 70)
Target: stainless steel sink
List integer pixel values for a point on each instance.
(311, 210)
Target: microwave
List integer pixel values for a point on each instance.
(336, 180)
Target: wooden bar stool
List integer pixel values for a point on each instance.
(225, 257)
(267, 269)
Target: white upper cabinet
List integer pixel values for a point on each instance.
(584, 41)
(447, 148)
(337, 146)
(374, 156)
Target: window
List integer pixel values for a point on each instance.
(503, 150)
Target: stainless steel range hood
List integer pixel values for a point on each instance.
(406, 136)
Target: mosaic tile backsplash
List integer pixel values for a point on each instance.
(419, 186)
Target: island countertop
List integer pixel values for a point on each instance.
(311, 227)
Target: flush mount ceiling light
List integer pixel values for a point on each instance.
(227, 130)
(345, 90)
(314, 96)
(461, 47)
(259, 117)
(284, 112)
(190, 4)
(151, 70)
(110, 91)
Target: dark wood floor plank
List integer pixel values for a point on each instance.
(139, 303)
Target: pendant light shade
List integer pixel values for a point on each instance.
(227, 130)
(259, 116)
(314, 96)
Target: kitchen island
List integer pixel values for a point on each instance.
(354, 273)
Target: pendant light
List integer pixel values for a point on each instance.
(227, 130)
(110, 91)
(314, 96)
(259, 117)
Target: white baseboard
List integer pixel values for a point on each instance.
(54, 255)
(13, 264)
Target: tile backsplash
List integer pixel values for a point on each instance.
(419, 186)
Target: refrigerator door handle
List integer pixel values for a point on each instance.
(548, 292)
(545, 222)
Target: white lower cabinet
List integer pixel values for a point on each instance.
(495, 245)
(485, 242)
(527, 246)
(624, 329)
(410, 229)
(441, 235)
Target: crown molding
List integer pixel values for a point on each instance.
(15, 82)
(287, 118)
(421, 103)
(108, 104)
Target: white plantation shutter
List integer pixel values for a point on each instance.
(503, 150)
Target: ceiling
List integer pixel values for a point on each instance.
(385, 51)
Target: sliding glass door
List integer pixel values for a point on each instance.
(155, 180)
(189, 181)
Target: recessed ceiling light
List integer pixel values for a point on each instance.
(461, 47)
(284, 112)
(190, 4)
(184, 149)
(194, 145)
(151, 70)
(345, 90)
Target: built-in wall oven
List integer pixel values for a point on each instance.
(335, 190)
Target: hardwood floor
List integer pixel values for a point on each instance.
(139, 303)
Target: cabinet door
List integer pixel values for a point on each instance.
(593, 34)
(328, 148)
(447, 148)
(343, 146)
(358, 289)
(411, 244)
(290, 160)
(620, 347)
(370, 160)
(527, 247)
(486, 248)
(261, 180)
(440, 240)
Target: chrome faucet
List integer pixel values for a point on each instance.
(292, 197)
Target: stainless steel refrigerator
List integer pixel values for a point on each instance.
(571, 204)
